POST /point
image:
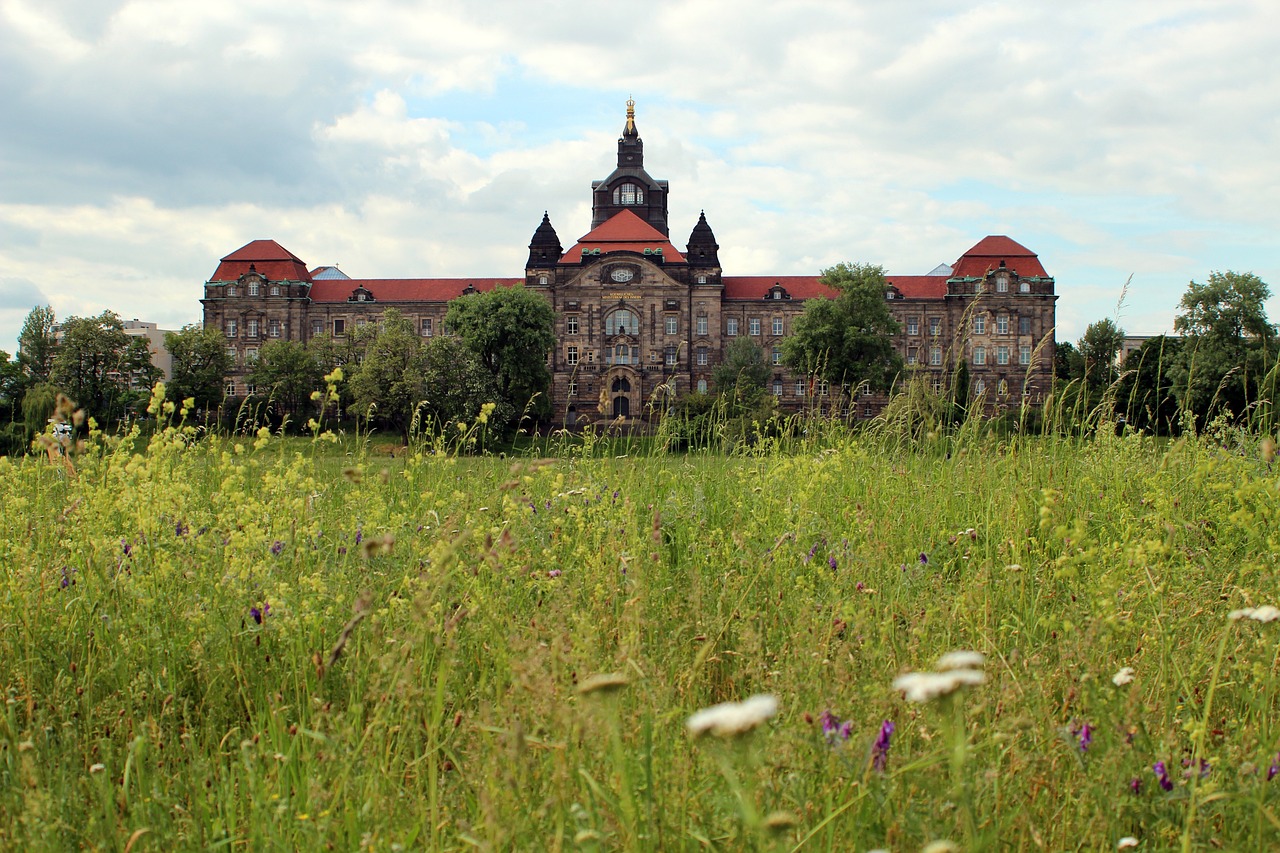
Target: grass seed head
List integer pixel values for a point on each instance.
(603, 683)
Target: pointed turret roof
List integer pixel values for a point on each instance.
(544, 249)
(702, 248)
(991, 253)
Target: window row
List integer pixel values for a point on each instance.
(252, 329)
(253, 288)
(754, 327)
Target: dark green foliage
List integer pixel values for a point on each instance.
(740, 378)
(100, 367)
(512, 330)
(287, 373)
(200, 361)
(1145, 394)
(847, 340)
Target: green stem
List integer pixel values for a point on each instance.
(1198, 751)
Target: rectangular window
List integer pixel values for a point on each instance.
(1024, 355)
(231, 328)
(980, 324)
(251, 328)
(1002, 355)
(935, 356)
(1002, 387)
(235, 355)
(573, 389)
(591, 356)
(753, 326)
(979, 355)
(911, 355)
(428, 327)
(775, 356)
(935, 326)
(571, 326)
(571, 355)
(275, 290)
(251, 355)
(1002, 324)
(231, 389)
(799, 387)
(913, 325)
(672, 324)
(777, 327)
(253, 288)
(339, 328)
(1024, 287)
(251, 390)
(777, 388)
(275, 328)
(702, 386)
(937, 386)
(669, 355)
(361, 322)
(1024, 325)
(317, 328)
(824, 388)
(1002, 285)
(979, 387)
(445, 330)
(702, 356)
(702, 324)
(731, 326)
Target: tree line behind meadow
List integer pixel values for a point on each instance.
(1219, 367)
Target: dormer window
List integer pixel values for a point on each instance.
(253, 288)
(628, 193)
(777, 292)
(360, 294)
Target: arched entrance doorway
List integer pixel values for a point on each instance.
(620, 389)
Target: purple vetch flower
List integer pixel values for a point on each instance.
(259, 615)
(924, 558)
(181, 529)
(1205, 767)
(615, 494)
(1135, 785)
(1086, 737)
(846, 730)
(359, 534)
(831, 561)
(276, 547)
(830, 726)
(67, 578)
(125, 547)
(1162, 775)
(554, 573)
(880, 749)
(859, 586)
(812, 551)
(1274, 768)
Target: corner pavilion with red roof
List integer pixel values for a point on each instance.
(638, 319)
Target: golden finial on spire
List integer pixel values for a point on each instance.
(631, 116)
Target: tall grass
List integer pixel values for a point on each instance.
(272, 643)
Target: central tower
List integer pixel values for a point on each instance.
(629, 187)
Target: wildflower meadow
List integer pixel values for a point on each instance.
(843, 642)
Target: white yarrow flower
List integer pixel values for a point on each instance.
(733, 718)
(927, 686)
(1123, 677)
(1265, 613)
(1126, 842)
(960, 660)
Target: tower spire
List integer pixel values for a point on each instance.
(630, 129)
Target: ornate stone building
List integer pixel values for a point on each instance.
(637, 318)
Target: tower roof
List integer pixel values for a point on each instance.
(994, 252)
(623, 232)
(266, 257)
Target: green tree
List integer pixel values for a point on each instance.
(1145, 392)
(455, 385)
(1230, 344)
(1098, 347)
(387, 383)
(287, 372)
(512, 329)
(98, 365)
(847, 340)
(742, 373)
(37, 344)
(1068, 364)
(200, 364)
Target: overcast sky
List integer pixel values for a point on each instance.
(145, 140)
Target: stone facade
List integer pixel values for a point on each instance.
(637, 319)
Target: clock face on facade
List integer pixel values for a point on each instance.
(622, 275)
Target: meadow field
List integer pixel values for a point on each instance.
(279, 643)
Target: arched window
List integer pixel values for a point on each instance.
(622, 322)
(621, 385)
(628, 194)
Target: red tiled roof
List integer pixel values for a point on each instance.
(623, 232)
(267, 257)
(404, 289)
(919, 286)
(809, 286)
(988, 254)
